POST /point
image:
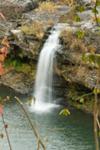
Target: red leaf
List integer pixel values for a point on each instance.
(4, 51)
(1, 69)
(1, 110)
(5, 42)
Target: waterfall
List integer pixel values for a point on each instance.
(44, 76)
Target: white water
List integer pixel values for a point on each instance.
(44, 76)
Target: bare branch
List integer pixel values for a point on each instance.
(31, 124)
(10, 147)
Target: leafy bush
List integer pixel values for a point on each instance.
(18, 65)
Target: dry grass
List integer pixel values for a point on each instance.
(91, 48)
(66, 34)
(72, 41)
(78, 45)
(47, 6)
(67, 2)
(35, 28)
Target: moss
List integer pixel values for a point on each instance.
(19, 66)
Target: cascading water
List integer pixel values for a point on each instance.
(44, 76)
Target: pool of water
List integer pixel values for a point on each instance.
(58, 132)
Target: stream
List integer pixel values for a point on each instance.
(58, 132)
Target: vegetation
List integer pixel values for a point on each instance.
(3, 53)
(75, 41)
(95, 59)
(78, 65)
(47, 6)
(35, 29)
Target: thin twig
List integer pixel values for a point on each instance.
(38, 145)
(95, 123)
(95, 13)
(96, 115)
(7, 135)
(84, 95)
(31, 124)
(98, 123)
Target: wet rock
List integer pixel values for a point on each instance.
(59, 87)
(26, 33)
(18, 81)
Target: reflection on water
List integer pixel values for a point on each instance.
(60, 133)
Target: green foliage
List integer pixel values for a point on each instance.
(18, 65)
(96, 91)
(80, 8)
(64, 112)
(77, 18)
(98, 19)
(80, 34)
(0, 99)
(13, 63)
(98, 3)
(81, 100)
(99, 133)
(92, 58)
(94, 10)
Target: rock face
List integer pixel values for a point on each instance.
(18, 81)
(27, 24)
(13, 9)
(80, 77)
(26, 34)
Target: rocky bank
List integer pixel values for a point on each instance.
(27, 33)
